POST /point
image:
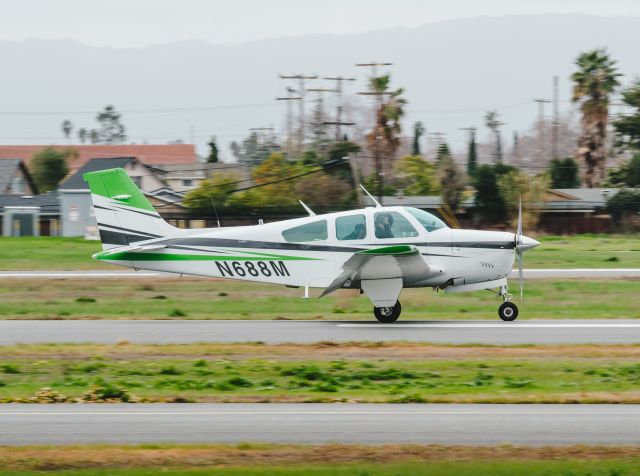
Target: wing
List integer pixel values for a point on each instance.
(382, 272)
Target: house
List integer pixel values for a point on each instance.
(185, 177)
(154, 154)
(15, 179)
(76, 208)
(30, 215)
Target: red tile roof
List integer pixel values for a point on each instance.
(156, 154)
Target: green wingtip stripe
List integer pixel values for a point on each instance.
(141, 256)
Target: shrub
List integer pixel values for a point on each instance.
(170, 370)
(177, 313)
(10, 369)
(85, 299)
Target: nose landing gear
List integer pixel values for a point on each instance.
(388, 314)
(507, 311)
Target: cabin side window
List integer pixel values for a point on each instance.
(353, 227)
(393, 225)
(316, 231)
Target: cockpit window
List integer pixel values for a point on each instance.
(393, 225)
(427, 220)
(316, 231)
(352, 227)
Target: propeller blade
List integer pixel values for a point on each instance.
(520, 276)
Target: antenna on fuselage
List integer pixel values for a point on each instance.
(370, 196)
(309, 211)
(215, 210)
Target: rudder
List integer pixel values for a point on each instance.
(124, 215)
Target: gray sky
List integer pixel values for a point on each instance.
(126, 23)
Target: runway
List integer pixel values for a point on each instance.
(622, 331)
(320, 423)
(543, 273)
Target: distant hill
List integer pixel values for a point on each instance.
(452, 71)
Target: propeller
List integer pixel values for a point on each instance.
(519, 249)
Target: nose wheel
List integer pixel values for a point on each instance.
(388, 314)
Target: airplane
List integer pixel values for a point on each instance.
(376, 250)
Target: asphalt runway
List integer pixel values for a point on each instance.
(618, 331)
(611, 273)
(536, 425)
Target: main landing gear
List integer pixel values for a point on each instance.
(507, 311)
(388, 314)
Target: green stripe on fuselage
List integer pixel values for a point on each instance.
(142, 256)
(390, 250)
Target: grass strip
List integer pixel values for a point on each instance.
(320, 459)
(187, 298)
(375, 373)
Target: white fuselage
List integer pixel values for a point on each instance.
(262, 253)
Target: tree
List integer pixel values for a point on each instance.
(83, 134)
(384, 139)
(452, 182)
(67, 127)
(442, 152)
(564, 173)
(111, 130)
(594, 83)
(323, 190)
(515, 186)
(472, 155)
(627, 175)
(94, 136)
(488, 200)
(254, 149)
(213, 150)
(627, 127)
(214, 190)
(624, 208)
(416, 176)
(418, 131)
(49, 167)
(492, 121)
(277, 168)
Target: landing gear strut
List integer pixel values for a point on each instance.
(507, 311)
(388, 314)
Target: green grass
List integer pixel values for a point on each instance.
(165, 298)
(304, 374)
(614, 467)
(585, 251)
(582, 251)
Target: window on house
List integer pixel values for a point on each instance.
(187, 183)
(353, 227)
(393, 225)
(315, 231)
(137, 181)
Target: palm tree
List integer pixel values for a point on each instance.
(492, 121)
(384, 139)
(67, 127)
(594, 83)
(83, 134)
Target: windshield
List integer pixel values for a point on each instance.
(427, 220)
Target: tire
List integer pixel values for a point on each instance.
(388, 314)
(508, 311)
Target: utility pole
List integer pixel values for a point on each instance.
(376, 129)
(338, 122)
(541, 154)
(302, 79)
(556, 119)
(288, 98)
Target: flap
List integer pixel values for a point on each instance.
(388, 262)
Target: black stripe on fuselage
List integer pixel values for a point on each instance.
(270, 245)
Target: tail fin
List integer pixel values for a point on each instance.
(123, 213)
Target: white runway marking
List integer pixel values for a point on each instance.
(317, 412)
(498, 325)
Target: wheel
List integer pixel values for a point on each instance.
(508, 311)
(388, 314)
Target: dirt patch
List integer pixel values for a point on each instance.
(322, 351)
(42, 458)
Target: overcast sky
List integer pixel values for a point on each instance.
(126, 23)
